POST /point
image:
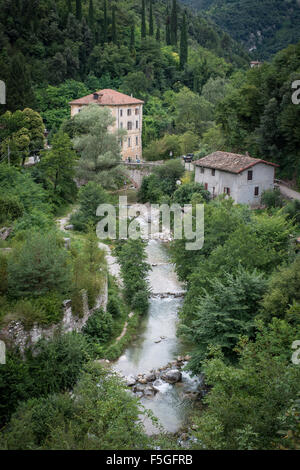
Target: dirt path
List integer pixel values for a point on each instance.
(64, 220)
(124, 331)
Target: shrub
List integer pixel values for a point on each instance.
(184, 194)
(140, 301)
(114, 304)
(10, 208)
(56, 364)
(50, 307)
(38, 266)
(90, 196)
(3, 274)
(99, 326)
(271, 198)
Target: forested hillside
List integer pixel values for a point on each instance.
(98, 44)
(264, 27)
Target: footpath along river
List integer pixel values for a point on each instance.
(156, 344)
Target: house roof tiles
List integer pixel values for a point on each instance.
(230, 162)
(107, 98)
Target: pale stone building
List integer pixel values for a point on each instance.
(128, 114)
(240, 176)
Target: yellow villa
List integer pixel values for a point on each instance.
(128, 114)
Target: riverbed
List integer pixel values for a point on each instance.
(156, 343)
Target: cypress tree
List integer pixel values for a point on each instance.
(168, 30)
(174, 24)
(158, 32)
(151, 26)
(78, 10)
(69, 5)
(19, 86)
(143, 30)
(132, 38)
(91, 14)
(114, 29)
(105, 22)
(183, 43)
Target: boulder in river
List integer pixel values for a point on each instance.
(143, 380)
(149, 392)
(171, 376)
(130, 380)
(150, 377)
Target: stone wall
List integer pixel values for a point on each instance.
(14, 334)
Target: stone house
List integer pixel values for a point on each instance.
(128, 114)
(240, 176)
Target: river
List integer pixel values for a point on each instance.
(156, 344)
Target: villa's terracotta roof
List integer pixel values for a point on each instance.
(231, 162)
(107, 98)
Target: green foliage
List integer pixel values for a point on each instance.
(225, 312)
(10, 208)
(292, 210)
(21, 189)
(277, 22)
(3, 274)
(183, 195)
(90, 197)
(283, 289)
(257, 114)
(99, 326)
(21, 134)
(246, 402)
(38, 266)
(134, 269)
(58, 166)
(55, 366)
(99, 149)
(44, 310)
(89, 272)
(271, 198)
(114, 307)
(161, 183)
(99, 419)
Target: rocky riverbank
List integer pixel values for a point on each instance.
(173, 374)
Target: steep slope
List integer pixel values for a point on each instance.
(264, 27)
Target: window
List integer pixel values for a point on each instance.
(213, 172)
(256, 191)
(128, 112)
(136, 111)
(129, 142)
(227, 191)
(136, 124)
(250, 175)
(121, 112)
(121, 125)
(129, 125)
(201, 169)
(136, 141)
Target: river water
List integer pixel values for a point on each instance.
(156, 344)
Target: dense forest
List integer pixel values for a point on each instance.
(263, 27)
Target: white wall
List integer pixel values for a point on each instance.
(241, 190)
